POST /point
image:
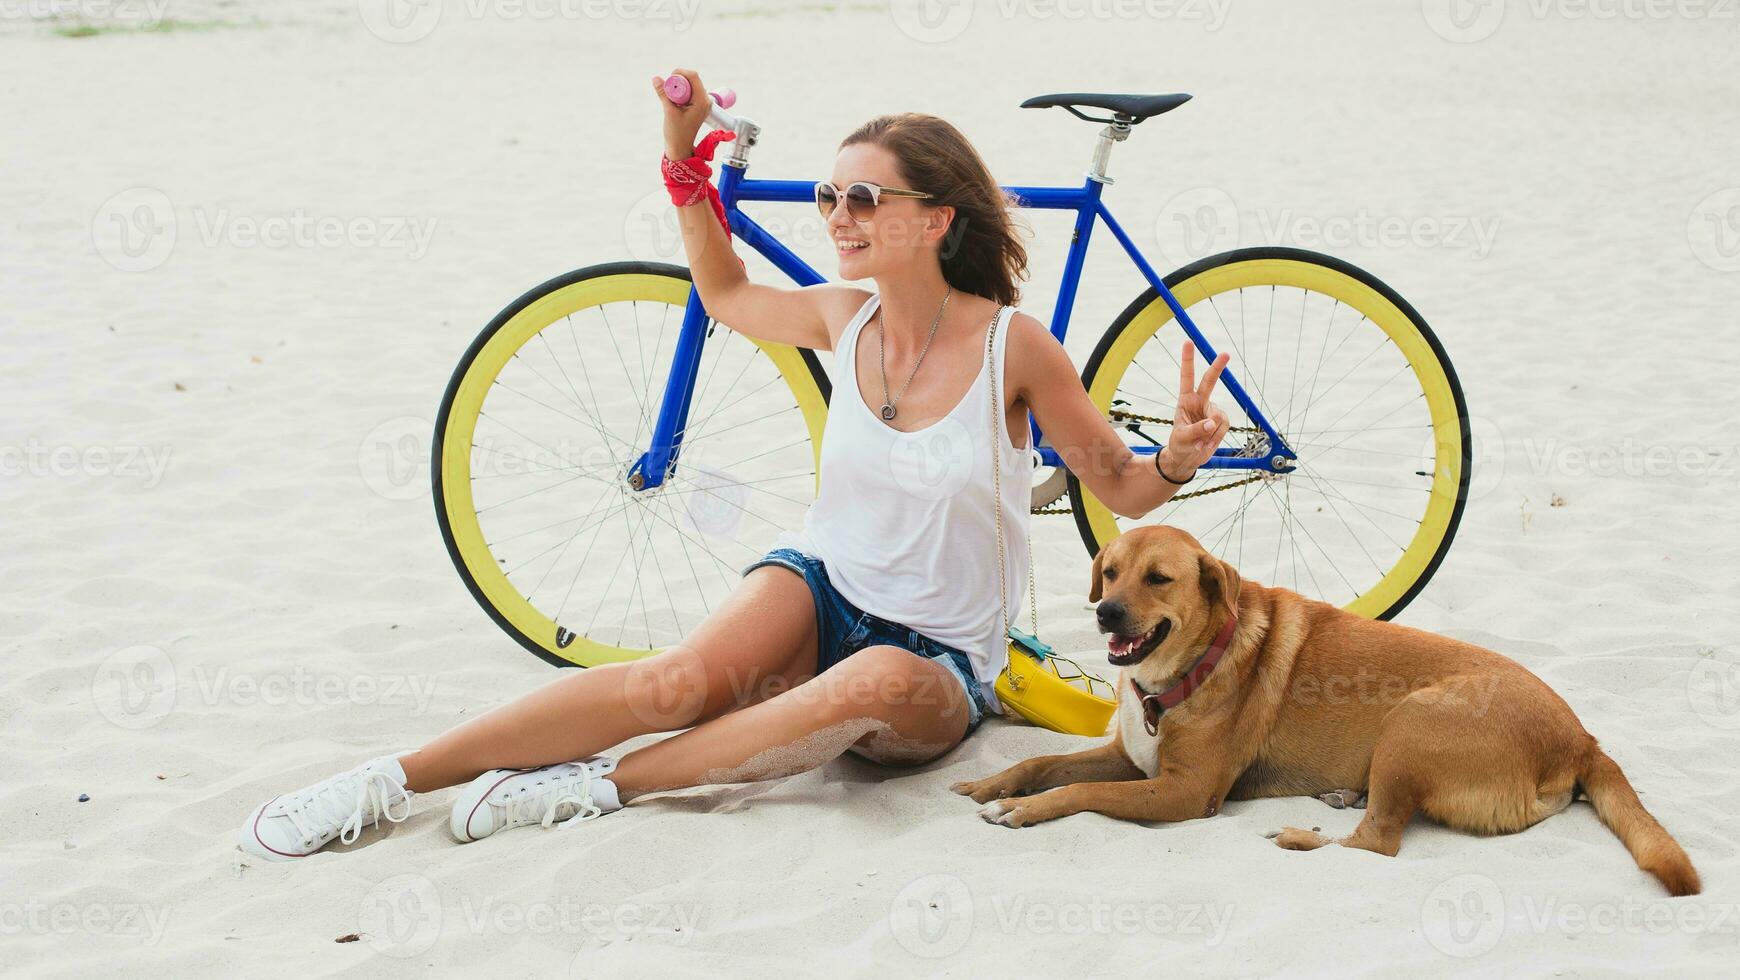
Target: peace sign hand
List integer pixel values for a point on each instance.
(1198, 425)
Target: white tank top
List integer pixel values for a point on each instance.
(903, 520)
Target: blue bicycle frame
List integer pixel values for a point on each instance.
(1084, 201)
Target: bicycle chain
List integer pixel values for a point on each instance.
(1118, 414)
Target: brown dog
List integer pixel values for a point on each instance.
(1303, 698)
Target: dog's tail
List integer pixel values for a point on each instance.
(1616, 803)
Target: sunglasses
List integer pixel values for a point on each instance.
(861, 198)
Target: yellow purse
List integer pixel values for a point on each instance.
(1034, 683)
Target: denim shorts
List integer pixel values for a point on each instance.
(843, 629)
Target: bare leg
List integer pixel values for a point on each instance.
(883, 702)
(759, 643)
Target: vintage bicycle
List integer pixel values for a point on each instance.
(602, 428)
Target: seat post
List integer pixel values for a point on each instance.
(1116, 132)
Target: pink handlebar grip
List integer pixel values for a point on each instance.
(678, 90)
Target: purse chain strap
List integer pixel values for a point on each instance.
(997, 502)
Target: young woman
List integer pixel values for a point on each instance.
(878, 627)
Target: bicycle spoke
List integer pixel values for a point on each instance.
(1348, 406)
(552, 451)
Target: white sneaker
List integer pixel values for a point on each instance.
(503, 798)
(298, 824)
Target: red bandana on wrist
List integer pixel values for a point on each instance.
(687, 179)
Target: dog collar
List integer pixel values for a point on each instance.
(1154, 705)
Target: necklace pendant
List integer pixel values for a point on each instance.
(887, 411)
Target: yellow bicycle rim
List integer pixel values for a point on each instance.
(468, 402)
(1427, 369)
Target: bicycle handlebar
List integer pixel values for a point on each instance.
(679, 91)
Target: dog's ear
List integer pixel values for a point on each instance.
(1220, 582)
(1094, 586)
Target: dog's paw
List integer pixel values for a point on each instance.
(1004, 813)
(1294, 839)
(1022, 811)
(981, 790)
(1343, 799)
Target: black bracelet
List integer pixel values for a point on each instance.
(1163, 476)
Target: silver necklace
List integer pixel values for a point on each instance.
(887, 402)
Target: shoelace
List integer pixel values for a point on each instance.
(531, 806)
(364, 788)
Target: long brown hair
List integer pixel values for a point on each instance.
(981, 253)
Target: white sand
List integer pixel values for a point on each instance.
(312, 619)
